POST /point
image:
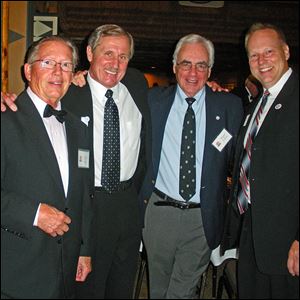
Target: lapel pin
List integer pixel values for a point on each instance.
(217, 118)
(278, 106)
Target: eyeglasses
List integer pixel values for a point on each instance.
(187, 66)
(50, 64)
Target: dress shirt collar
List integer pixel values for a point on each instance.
(39, 103)
(276, 88)
(100, 90)
(182, 96)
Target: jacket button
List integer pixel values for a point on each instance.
(59, 241)
(92, 196)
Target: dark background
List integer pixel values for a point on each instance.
(156, 26)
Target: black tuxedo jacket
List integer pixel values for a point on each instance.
(223, 110)
(32, 262)
(274, 178)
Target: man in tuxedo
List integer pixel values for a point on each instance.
(269, 235)
(45, 204)
(181, 230)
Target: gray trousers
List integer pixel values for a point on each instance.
(177, 250)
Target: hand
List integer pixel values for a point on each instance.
(293, 259)
(52, 221)
(7, 100)
(79, 79)
(216, 87)
(84, 267)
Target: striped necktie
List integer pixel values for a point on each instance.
(244, 186)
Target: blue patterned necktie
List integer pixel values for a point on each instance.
(187, 172)
(244, 185)
(110, 177)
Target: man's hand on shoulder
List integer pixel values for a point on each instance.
(7, 100)
(216, 87)
(79, 79)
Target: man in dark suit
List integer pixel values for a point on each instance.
(45, 204)
(269, 240)
(117, 227)
(179, 232)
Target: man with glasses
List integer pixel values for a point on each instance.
(194, 132)
(45, 204)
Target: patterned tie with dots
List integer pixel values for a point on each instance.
(110, 176)
(187, 173)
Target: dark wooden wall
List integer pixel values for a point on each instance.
(157, 25)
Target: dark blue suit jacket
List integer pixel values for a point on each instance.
(215, 164)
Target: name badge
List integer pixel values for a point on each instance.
(83, 158)
(222, 140)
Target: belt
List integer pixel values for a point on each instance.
(168, 201)
(122, 186)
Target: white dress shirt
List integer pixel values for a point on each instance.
(130, 128)
(57, 135)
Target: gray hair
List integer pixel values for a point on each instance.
(33, 50)
(196, 38)
(261, 26)
(109, 30)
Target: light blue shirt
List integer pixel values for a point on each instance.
(168, 172)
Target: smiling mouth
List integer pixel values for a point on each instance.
(263, 70)
(112, 71)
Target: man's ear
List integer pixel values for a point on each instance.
(209, 73)
(27, 71)
(89, 53)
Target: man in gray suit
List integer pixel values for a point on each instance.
(45, 203)
(180, 232)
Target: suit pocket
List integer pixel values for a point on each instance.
(20, 235)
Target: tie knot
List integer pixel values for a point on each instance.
(190, 100)
(266, 93)
(109, 94)
(59, 114)
(265, 98)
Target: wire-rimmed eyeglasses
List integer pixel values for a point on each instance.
(187, 66)
(50, 64)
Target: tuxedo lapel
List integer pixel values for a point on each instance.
(72, 142)
(38, 134)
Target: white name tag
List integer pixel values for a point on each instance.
(222, 139)
(83, 158)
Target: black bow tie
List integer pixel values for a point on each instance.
(59, 114)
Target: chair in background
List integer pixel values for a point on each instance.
(228, 280)
(140, 274)
(203, 280)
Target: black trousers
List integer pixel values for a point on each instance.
(117, 237)
(252, 284)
